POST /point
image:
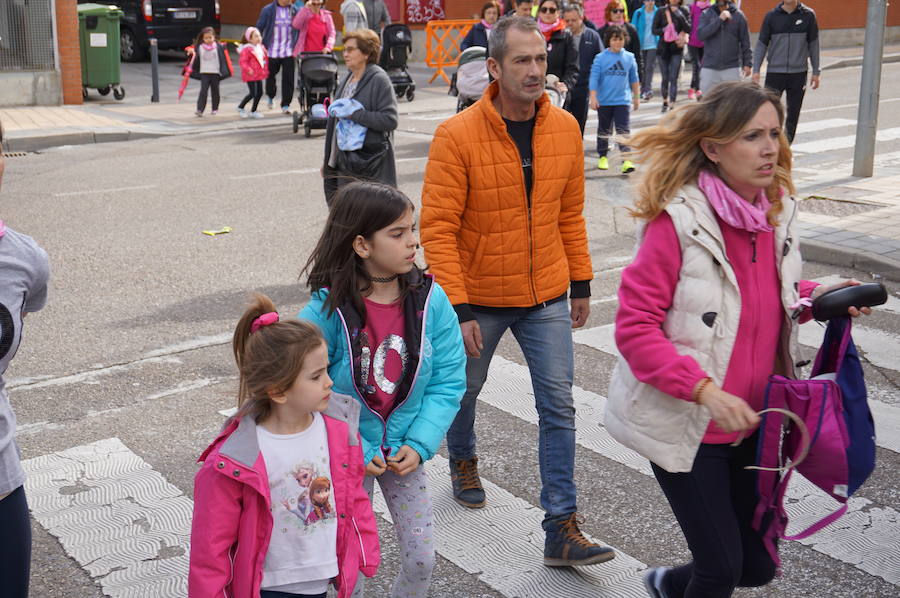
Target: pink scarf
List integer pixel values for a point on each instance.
(732, 208)
(548, 30)
(209, 47)
(487, 26)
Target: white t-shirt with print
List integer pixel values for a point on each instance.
(302, 556)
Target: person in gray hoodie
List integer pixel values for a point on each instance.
(726, 37)
(790, 36)
(354, 13)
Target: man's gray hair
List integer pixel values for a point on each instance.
(576, 7)
(497, 44)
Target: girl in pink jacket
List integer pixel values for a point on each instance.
(264, 525)
(254, 61)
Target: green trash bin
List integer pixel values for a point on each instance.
(98, 32)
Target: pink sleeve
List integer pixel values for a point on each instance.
(364, 520)
(214, 530)
(329, 45)
(645, 295)
(806, 289)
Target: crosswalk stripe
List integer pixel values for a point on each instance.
(867, 537)
(821, 125)
(845, 141)
(503, 545)
(117, 517)
(886, 416)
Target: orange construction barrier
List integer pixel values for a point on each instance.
(442, 39)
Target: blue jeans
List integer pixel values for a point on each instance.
(545, 336)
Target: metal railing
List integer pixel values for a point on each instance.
(26, 35)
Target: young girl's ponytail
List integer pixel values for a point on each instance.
(269, 354)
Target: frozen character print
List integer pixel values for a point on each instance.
(319, 494)
(304, 474)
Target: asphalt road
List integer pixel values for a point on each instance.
(134, 341)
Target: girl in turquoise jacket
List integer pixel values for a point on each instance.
(394, 344)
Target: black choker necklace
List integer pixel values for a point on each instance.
(385, 279)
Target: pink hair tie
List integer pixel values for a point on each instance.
(263, 320)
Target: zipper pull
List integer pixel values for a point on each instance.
(753, 243)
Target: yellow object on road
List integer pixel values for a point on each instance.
(221, 231)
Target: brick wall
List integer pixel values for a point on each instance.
(69, 51)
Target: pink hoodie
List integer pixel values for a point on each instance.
(233, 521)
(645, 295)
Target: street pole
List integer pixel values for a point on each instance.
(869, 90)
(154, 68)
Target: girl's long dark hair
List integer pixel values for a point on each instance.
(359, 208)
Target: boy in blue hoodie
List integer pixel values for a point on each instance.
(614, 85)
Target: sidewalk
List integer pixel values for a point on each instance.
(836, 228)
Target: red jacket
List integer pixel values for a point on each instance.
(251, 70)
(232, 521)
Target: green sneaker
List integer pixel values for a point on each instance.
(603, 163)
(627, 166)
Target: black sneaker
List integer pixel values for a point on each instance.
(467, 489)
(566, 546)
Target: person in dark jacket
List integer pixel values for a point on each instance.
(279, 38)
(589, 45)
(479, 33)
(726, 45)
(368, 84)
(562, 53)
(790, 36)
(615, 15)
(671, 53)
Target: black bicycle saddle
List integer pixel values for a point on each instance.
(837, 302)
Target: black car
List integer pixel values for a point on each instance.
(174, 23)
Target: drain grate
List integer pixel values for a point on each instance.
(15, 154)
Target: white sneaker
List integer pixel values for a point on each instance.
(243, 113)
(256, 115)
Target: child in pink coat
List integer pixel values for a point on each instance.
(258, 531)
(254, 61)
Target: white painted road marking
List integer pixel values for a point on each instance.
(821, 125)
(117, 517)
(259, 175)
(886, 416)
(867, 537)
(503, 544)
(97, 191)
(845, 141)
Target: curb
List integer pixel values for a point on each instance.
(857, 61)
(34, 143)
(848, 257)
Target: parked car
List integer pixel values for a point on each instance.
(174, 23)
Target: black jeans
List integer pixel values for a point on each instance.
(714, 505)
(286, 66)
(15, 544)
(255, 91)
(269, 594)
(795, 86)
(209, 82)
(696, 63)
(607, 118)
(578, 106)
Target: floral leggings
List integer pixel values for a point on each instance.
(409, 503)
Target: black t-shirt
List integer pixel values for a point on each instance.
(521, 133)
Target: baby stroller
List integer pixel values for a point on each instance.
(316, 82)
(556, 98)
(396, 45)
(471, 78)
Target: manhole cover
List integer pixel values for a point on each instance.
(831, 207)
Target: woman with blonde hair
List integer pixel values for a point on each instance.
(708, 311)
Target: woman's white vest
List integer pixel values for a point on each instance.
(667, 430)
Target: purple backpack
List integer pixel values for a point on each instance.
(839, 445)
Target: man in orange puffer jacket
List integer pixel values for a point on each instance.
(504, 234)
